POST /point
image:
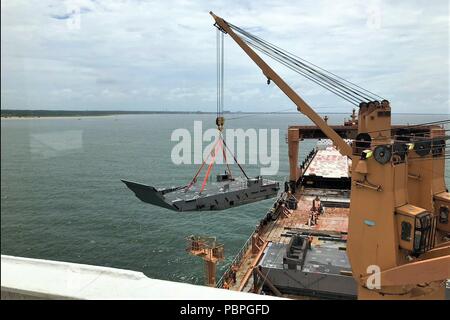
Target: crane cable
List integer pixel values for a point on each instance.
(311, 65)
(220, 142)
(219, 104)
(337, 91)
(345, 89)
(342, 92)
(307, 66)
(220, 120)
(220, 79)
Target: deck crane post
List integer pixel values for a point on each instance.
(390, 239)
(210, 251)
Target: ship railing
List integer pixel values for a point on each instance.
(306, 162)
(236, 261)
(240, 255)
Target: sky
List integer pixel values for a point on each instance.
(161, 55)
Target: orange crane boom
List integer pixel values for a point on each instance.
(302, 106)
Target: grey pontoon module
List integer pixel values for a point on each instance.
(225, 193)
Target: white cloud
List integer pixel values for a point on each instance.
(161, 54)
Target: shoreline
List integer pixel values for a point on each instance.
(91, 116)
(53, 117)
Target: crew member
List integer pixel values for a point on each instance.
(234, 270)
(317, 206)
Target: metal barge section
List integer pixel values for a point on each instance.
(227, 192)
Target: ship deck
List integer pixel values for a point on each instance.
(332, 222)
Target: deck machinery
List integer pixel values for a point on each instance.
(398, 225)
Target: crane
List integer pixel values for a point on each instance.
(390, 238)
(210, 251)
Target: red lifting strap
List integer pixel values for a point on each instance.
(194, 180)
(219, 144)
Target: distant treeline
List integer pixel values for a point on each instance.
(72, 113)
(66, 113)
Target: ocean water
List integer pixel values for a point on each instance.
(62, 198)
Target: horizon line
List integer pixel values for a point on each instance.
(188, 111)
